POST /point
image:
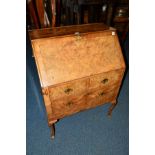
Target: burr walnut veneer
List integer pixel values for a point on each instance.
(79, 67)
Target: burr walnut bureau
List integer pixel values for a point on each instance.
(79, 67)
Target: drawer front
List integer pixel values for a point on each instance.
(68, 106)
(100, 97)
(68, 89)
(105, 80)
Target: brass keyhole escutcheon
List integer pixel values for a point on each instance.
(104, 81)
(77, 35)
(69, 103)
(68, 90)
(44, 92)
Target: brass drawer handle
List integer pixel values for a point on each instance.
(101, 94)
(69, 103)
(104, 81)
(68, 90)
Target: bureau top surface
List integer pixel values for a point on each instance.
(65, 58)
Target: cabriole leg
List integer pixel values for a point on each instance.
(52, 131)
(113, 104)
(52, 125)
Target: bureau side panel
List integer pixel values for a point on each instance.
(47, 102)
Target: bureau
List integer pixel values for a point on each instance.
(79, 67)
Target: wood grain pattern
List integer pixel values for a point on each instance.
(105, 80)
(68, 89)
(47, 100)
(66, 30)
(100, 97)
(40, 65)
(69, 105)
(80, 102)
(61, 55)
(77, 72)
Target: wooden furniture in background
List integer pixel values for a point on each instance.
(79, 67)
(53, 6)
(40, 11)
(54, 13)
(32, 12)
(121, 20)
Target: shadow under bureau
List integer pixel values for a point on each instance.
(79, 67)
